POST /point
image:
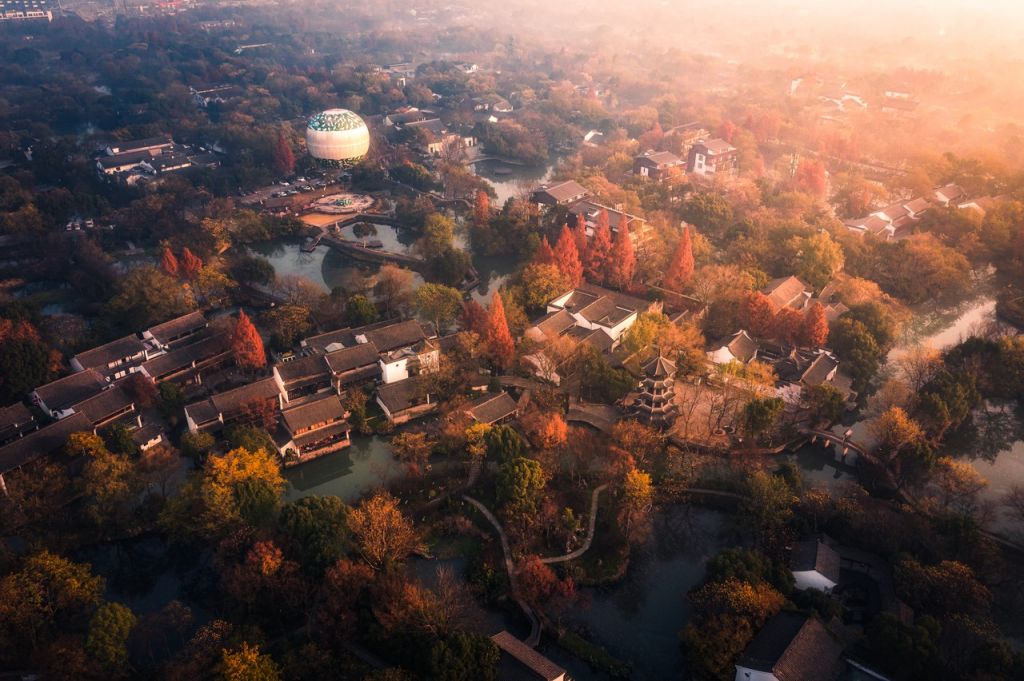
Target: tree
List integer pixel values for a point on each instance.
(857, 348)
(599, 250)
(815, 258)
(546, 430)
(47, 594)
(287, 323)
(392, 288)
(146, 296)
(359, 311)
(481, 208)
(412, 448)
(463, 656)
(319, 526)
(680, 268)
(759, 415)
(108, 636)
(825, 403)
(580, 234)
(768, 506)
(520, 482)
(544, 255)
(111, 488)
(473, 318)
(810, 177)
(750, 566)
(197, 445)
(284, 157)
(344, 587)
(190, 264)
(567, 258)
(787, 326)
(637, 496)
(25, 360)
(622, 261)
(246, 344)
(541, 283)
(500, 346)
(504, 443)
(758, 313)
(168, 263)
(894, 430)
(541, 587)
(814, 329)
(237, 489)
(438, 232)
(383, 534)
(247, 664)
(213, 286)
(439, 304)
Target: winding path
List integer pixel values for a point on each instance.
(592, 526)
(534, 638)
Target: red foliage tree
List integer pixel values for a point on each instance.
(727, 130)
(810, 177)
(581, 236)
(788, 324)
(481, 208)
(541, 586)
(567, 256)
(284, 157)
(345, 586)
(544, 255)
(680, 268)
(622, 263)
(169, 263)
(246, 344)
(473, 318)
(759, 314)
(500, 347)
(599, 250)
(814, 329)
(190, 264)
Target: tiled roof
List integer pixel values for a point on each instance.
(400, 395)
(794, 648)
(183, 358)
(357, 356)
(398, 335)
(660, 159)
(326, 409)
(42, 442)
(492, 408)
(70, 390)
(239, 397)
(15, 415)
(561, 192)
(100, 357)
(787, 292)
(555, 323)
(814, 555)
(819, 370)
(100, 407)
(302, 368)
(743, 347)
(175, 328)
(659, 367)
(719, 146)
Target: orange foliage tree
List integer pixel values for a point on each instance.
(680, 269)
(246, 344)
(599, 250)
(473, 318)
(500, 346)
(759, 314)
(546, 430)
(190, 264)
(810, 177)
(814, 330)
(622, 263)
(567, 257)
(545, 255)
(581, 236)
(481, 208)
(169, 263)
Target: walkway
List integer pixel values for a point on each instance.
(590, 531)
(839, 440)
(534, 638)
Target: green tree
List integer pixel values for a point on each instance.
(857, 348)
(760, 414)
(503, 443)
(287, 323)
(824, 402)
(540, 285)
(768, 506)
(439, 304)
(463, 656)
(107, 641)
(197, 445)
(359, 311)
(438, 235)
(146, 296)
(520, 483)
(319, 526)
(24, 360)
(750, 566)
(711, 213)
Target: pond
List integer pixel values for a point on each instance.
(511, 180)
(638, 619)
(348, 474)
(324, 266)
(393, 239)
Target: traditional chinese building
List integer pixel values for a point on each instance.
(656, 404)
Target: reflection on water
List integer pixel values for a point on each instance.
(511, 180)
(348, 474)
(392, 239)
(822, 466)
(638, 620)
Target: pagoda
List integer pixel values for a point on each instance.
(656, 404)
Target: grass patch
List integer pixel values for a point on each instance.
(594, 655)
